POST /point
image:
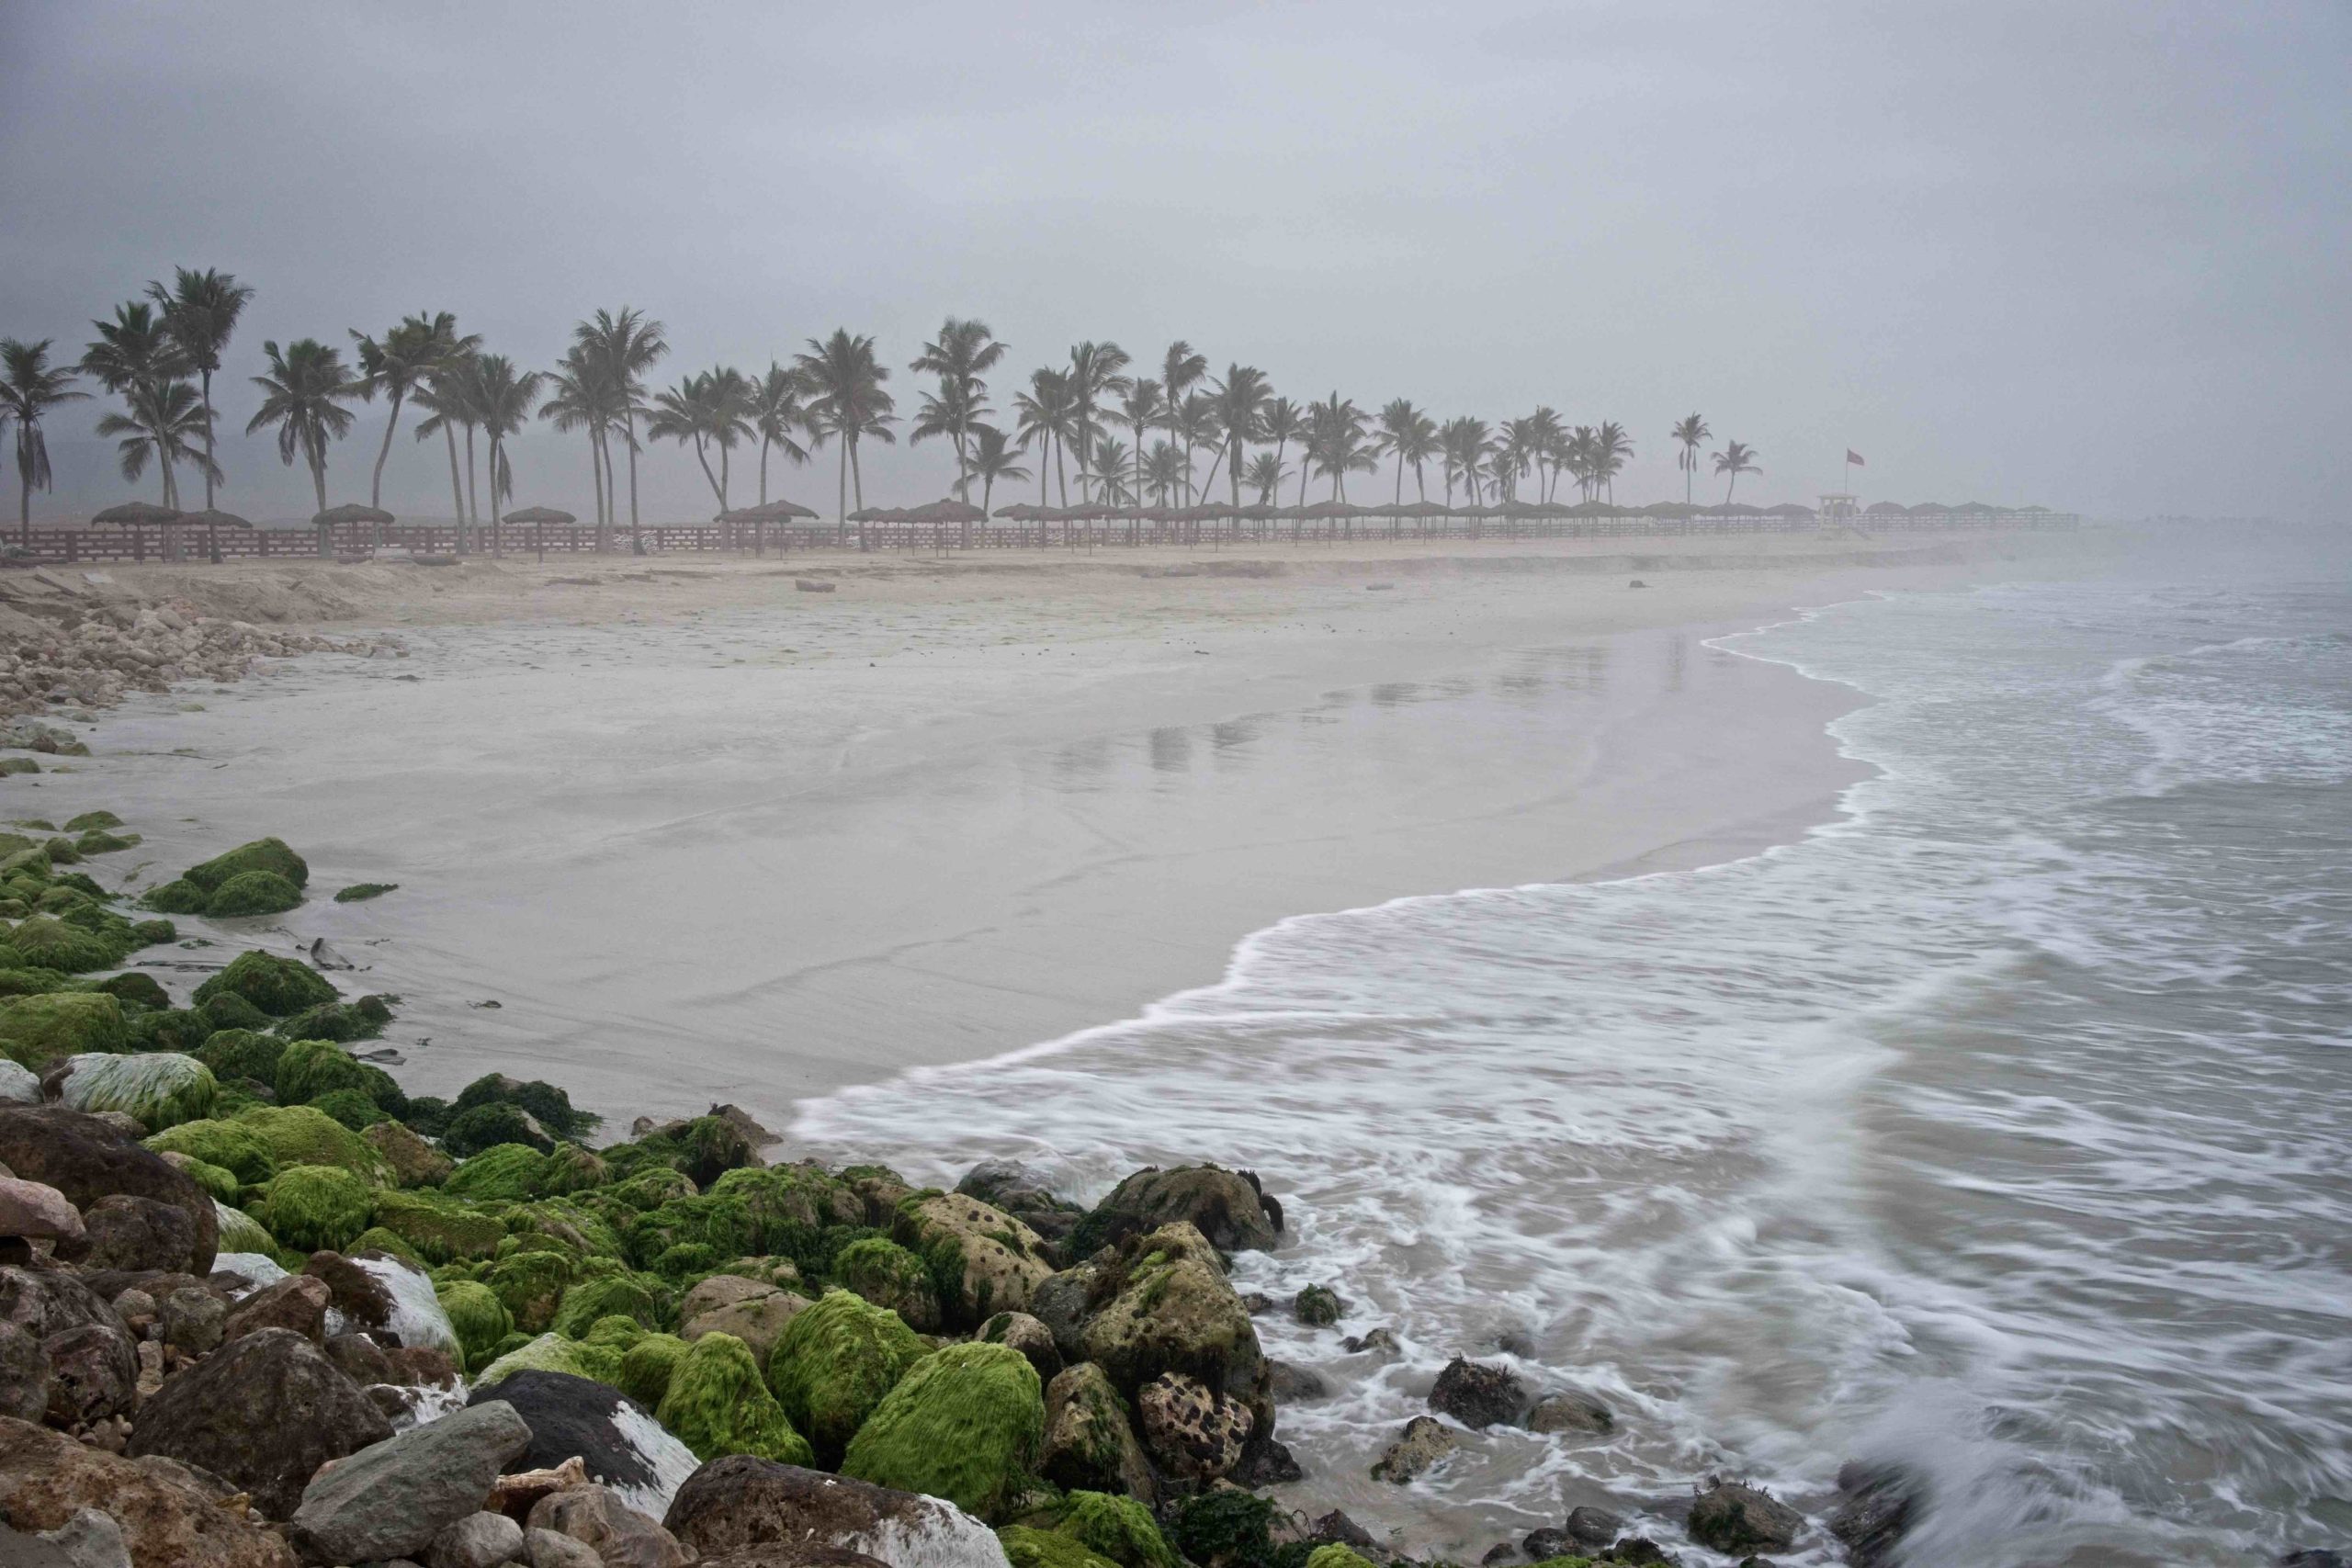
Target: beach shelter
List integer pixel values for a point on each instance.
(212, 519)
(139, 514)
(351, 511)
(538, 517)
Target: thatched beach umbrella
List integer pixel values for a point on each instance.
(538, 517)
(137, 515)
(214, 520)
(351, 511)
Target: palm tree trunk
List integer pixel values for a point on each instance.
(629, 432)
(842, 514)
(857, 478)
(722, 476)
(24, 498)
(376, 485)
(764, 470)
(473, 497)
(457, 491)
(708, 477)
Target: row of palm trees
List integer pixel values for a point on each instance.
(158, 354)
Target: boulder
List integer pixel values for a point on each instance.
(1590, 1527)
(984, 1260)
(478, 1541)
(1478, 1394)
(359, 1359)
(18, 1083)
(160, 1088)
(1423, 1442)
(415, 1314)
(414, 1162)
(49, 1300)
(616, 1440)
(1290, 1383)
(39, 1031)
(1191, 1433)
(720, 1291)
(168, 1518)
(1175, 1312)
(1742, 1520)
(352, 1290)
(758, 1321)
(1062, 1303)
(832, 1366)
(1026, 1335)
(619, 1534)
(265, 1411)
(1089, 1444)
(391, 1498)
(35, 1211)
(24, 1375)
(192, 1319)
(545, 1548)
(1021, 1192)
(1317, 1306)
(1881, 1502)
(298, 1302)
(133, 1233)
(964, 1424)
(94, 1374)
(86, 1160)
(732, 1504)
(882, 1272)
(1226, 1207)
(1570, 1412)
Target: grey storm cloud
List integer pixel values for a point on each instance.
(2089, 255)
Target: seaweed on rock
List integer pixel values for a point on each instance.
(964, 1423)
(716, 1405)
(832, 1365)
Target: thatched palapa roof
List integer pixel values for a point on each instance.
(132, 513)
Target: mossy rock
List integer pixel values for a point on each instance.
(91, 822)
(476, 1313)
(1337, 1556)
(178, 896)
(269, 855)
(61, 852)
(231, 1145)
(147, 933)
(1174, 1311)
(240, 1232)
(132, 989)
(376, 1238)
(303, 1134)
(414, 1162)
(1120, 1529)
(278, 986)
(722, 1224)
(437, 1229)
(781, 1273)
(640, 1298)
(101, 842)
(981, 1260)
(789, 1203)
(554, 1353)
(504, 1172)
(643, 1192)
(483, 1126)
(572, 1169)
(1025, 1546)
(548, 1105)
(242, 1054)
(230, 1010)
(340, 1022)
(648, 1366)
(172, 1029)
(352, 1107)
(891, 1278)
(253, 893)
(217, 1180)
(570, 1226)
(308, 1068)
(832, 1365)
(158, 1090)
(360, 892)
(964, 1423)
(35, 1031)
(717, 1404)
(46, 942)
(314, 1206)
(1228, 1527)
(18, 765)
(32, 982)
(531, 1284)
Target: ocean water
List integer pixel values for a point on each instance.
(1997, 1127)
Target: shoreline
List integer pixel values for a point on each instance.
(954, 849)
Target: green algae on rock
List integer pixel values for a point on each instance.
(648, 1366)
(278, 986)
(35, 1031)
(531, 1285)
(981, 1260)
(505, 1172)
(158, 1090)
(1025, 1546)
(314, 1206)
(253, 893)
(639, 1297)
(262, 855)
(303, 1134)
(964, 1423)
(478, 1317)
(232, 1145)
(1120, 1529)
(718, 1404)
(360, 892)
(44, 942)
(832, 1365)
(891, 1278)
(437, 1229)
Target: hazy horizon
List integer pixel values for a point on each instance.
(2081, 257)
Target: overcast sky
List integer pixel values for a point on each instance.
(2094, 256)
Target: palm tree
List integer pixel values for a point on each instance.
(1265, 476)
(1180, 370)
(1141, 409)
(957, 355)
(200, 313)
(1109, 461)
(303, 395)
(992, 459)
(623, 346)
(1410, 436)
(775, 414)
(135, 358)
(1281, 422)
(1164, 471)
(1340, 446)
(1612, 446)
(1043, 415)
(1192, 424)
(847, 402)
(1463, 443)
(1546, 446)
(395, 365)
(1688, 433)
(29, 388)
(582, 398)
(448, 398)
(1737, 458)
(165, 422)
(503, 402)
(1239, 402)
(712, 410)
(1094, 374)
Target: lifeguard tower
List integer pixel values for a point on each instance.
(1838, 508)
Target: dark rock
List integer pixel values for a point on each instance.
(359, 1359)
(263, 1411)
(1543, 1545)
(1478, 1394)
(1570, 1412)
(87, 1158)
(1062, 1302)
(2314, 1558)
(24, 1375)
(1020, 1191)
(1223, 1205)
(1191, 1432)
(1317, 1306)
(352, 1290)
(421, 1366)
(740, 1500)
(1379, 1341)
(168, 1514)
(1737, 1519)
(1589, 1526)
(478, 1541)
(390, 1499)
(1267, 1461)
(48, 1300)
(94, 1374)
(619, 1534)
(1335, 1529)
(1641, 1550)
(1258, 1303)
(1089, 1445)
(616, 1437)
(298, 1302)
(1497, 1554)
(125, 1231)
(1883, 1502)
(1424, 1440)
(193, 1318)
(1028, 1336)
(1291, 1382)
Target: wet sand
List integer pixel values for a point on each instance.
(702, 836)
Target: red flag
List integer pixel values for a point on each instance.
(1855, 458)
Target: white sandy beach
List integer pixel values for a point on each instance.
(702, 836)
